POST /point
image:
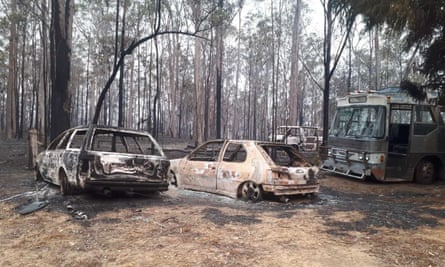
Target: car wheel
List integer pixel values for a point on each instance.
(38, 176)
(65, 187)
(251, 191)
(425, 172)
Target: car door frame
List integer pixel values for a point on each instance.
(199, 172)
(231, 174)
(50, 166)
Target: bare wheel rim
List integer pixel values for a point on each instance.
(251, 191)
(426, 172)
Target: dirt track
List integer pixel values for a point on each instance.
(350, 223)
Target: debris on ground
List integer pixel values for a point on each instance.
(76, 214)
(31, 207)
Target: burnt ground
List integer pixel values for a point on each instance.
(349, 223)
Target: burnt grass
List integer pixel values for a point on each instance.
(403, 210)
(379, 211)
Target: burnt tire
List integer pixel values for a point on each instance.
(65, 186)
(426, 172)
(38, 176)
(251, 191)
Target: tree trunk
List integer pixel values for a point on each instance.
(173, 64)
(293, 86)
(327, 69)
(20, 114)
(11, 122)
(198, 118)
(121, 97)
(61, 33)
(274, 117)
(219, 66)
(377, 59)
(327, 46)
(158, 88)
(235, 119)
(42, 115)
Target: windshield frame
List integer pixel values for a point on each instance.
(359, 122)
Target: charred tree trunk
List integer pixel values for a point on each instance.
(327, 70)
(121, 96)
(332, 12)
(377, 59)
(219, 66)
(158, 89)
(42, 114)
(61, 31)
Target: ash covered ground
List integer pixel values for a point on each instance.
(349, 223)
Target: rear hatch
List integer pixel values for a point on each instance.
(126, 158)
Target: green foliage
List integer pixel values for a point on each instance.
(419, 22)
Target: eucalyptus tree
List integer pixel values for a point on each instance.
(295, 107)
(219, 65)
(339, 19)
(11, 99)
(420, 25)
(61, 37)
(157, 31)
(21, 66)
(198, 129)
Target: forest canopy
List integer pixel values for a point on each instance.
(257, 64)
(420, 24)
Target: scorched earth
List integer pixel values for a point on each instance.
(349, 223)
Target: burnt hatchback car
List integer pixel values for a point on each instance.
(245, 169)
(104, 160)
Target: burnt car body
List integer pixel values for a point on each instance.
(245, 169)
(105, 160)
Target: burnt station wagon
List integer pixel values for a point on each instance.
(104, 160)
(245, 169)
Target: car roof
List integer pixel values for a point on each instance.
(258, 142)
(297, 127)
(109, 128)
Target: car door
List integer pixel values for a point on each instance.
(51, 161)
(233, 169)
(70, 155)
(199, 170)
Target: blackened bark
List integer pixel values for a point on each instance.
(61, 24)
(219, 66)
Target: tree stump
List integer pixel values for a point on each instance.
(32, 148)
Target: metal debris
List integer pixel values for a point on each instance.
(76, 214)
(31, 207)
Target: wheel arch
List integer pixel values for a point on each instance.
(61, 171)
(173, 178)
(240, 187)
(438, 163)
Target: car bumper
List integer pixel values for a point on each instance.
(287, 190)
(106, 186)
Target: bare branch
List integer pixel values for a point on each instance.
(134, 44)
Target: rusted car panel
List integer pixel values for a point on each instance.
(246, 169)
(104, 159)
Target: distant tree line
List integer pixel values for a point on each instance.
(238, 72)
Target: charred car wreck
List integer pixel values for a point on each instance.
(245, 169)
(104, 160)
